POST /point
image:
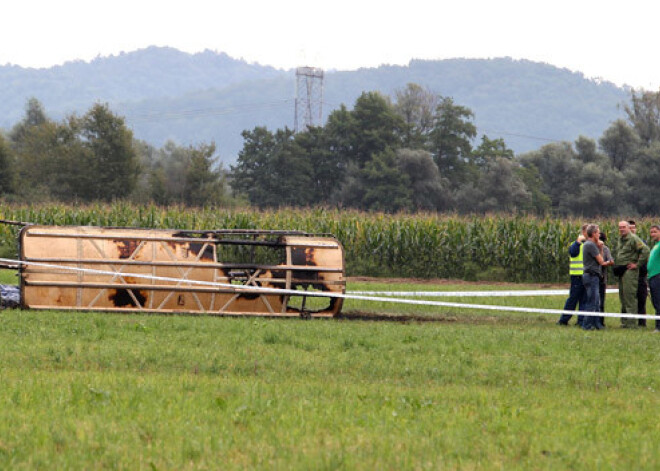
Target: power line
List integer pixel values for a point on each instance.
(526, 136)
(166, 115)
(504, 133)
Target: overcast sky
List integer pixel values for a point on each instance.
(617, 41)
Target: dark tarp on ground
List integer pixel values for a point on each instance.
(10, 296)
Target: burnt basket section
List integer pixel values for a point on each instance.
(225, 272)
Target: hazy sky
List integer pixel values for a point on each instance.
(617, 41)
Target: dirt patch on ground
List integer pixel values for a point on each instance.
(373, 316)
(437, 318)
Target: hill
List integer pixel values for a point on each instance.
(191, 98)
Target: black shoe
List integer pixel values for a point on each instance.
(600, 326)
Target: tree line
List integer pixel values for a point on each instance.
(413, 151)
(95, 157)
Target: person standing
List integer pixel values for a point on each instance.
(653, 267)
(593, 264)
(607, 256)
(642, 285)
(576, 294)
(630, 253)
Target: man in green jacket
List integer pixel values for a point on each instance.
(631, 253)
(653, 266)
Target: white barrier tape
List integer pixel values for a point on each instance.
(471, 294)
(239, 288)
(180, 281)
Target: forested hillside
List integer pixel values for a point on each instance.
(193, 99)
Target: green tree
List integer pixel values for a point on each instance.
(489, 150)
(559, 169)
(33, 141)
(70, 162)
(498, 188)
(147, 157)
(644, 115)
(113, 161)
(351, 191)
(38, 158)
(642, 176)
(386, 187)
(340, 133)
(579, 181)
(587, 152)
(292, 173)
(35, 116)
(429, 191)
(168, 174)
(86, 158)
(157, 185)
(6, 168)
(328, 166)
(539, 202)
(204, 183)
(620, 142)
(273, 170)
(251, 176)
(416, 106)
(184, 175)
(450, 140)
(377, 127)
(599, 186)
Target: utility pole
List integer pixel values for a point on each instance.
(309, 97)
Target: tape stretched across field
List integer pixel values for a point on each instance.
(470, 294)
(361, 297)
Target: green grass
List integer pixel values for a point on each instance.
(541, 302)
(92, 390)
(8, 277)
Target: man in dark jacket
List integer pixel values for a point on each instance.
(607, 256)
(593, 264)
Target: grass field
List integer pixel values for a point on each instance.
(471, 391)
(8, 277)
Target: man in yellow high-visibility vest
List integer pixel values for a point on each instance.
(576, 294)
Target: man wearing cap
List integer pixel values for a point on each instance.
(631, 252)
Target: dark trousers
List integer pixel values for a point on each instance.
(576, 296)
(601, 290)
(654, 288)
(642, 294)
(592, 299)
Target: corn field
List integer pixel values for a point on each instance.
(496, 247)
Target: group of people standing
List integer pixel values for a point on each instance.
(635, 266)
